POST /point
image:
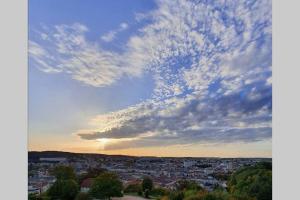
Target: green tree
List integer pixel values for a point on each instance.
(213, 197)
(147, 184)
(34, 197)
(91, 173)
(83, 196)
(64, 173)
(106, 185)
(63, 189)
(252, 182)
(159, 191)
(177, 195)
(187, 185)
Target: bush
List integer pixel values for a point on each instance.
(64, 173)
(106, 185)
(195, 195)
(83, 196)
(147, 184)
(91, 173)
(189, 193)
(187, 185)
(178, 195)
(159, 191)
(63, 189)
(252, 182)
(133, 188)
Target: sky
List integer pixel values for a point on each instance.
(151, 78)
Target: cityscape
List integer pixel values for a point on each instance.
(150, 99)
(209, 173)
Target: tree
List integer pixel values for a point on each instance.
(159, 191)
(83, 196)
(133, 188)
(91, 173)
(252, 182)
(106, 185)
(64, 173)
(177, 195)
(147, 184)
(187, 185)
(34, 197)
(63, 189)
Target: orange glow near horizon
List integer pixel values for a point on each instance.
(78, 145)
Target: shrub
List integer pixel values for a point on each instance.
(106, 185)
(133, 188)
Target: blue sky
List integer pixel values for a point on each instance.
(116, 76)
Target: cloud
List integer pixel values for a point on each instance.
(110, 36)
(66, 50)
(189, 120)
(211, 63)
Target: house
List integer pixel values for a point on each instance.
(86, 185)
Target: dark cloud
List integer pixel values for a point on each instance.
(232, 118)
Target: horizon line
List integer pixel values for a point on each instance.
(215, 157)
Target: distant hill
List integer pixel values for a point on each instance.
(36, 155)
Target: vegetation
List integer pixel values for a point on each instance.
(64, 173)
(133, 188)
(91, 173)
(177, 195)
(252, 182)
(64, 189)
(248, 183)
(147, 186)
(159, 191)
(106, 185)
(83, 196)
(187, 185)
(66, 186)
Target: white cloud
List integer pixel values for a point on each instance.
(111, 35)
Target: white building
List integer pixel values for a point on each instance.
(189, 163)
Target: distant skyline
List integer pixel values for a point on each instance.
(153, 78)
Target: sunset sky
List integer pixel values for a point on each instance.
(142, 77)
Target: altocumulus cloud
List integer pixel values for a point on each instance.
(211, 62)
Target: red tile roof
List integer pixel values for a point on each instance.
(87, 183)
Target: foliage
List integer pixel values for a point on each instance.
(147, 184)
(204, 195)
(212, 196)
(221, 176)
(91, 173)
(190, 193)
(146, 193)
(133, 188)
(177, 195)
(252, 182)
(63, 189)
(248, 183)
(64, 173)
(106, 185)
(159, 191)
(187, 185)
(34, 197)
(83, 196)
